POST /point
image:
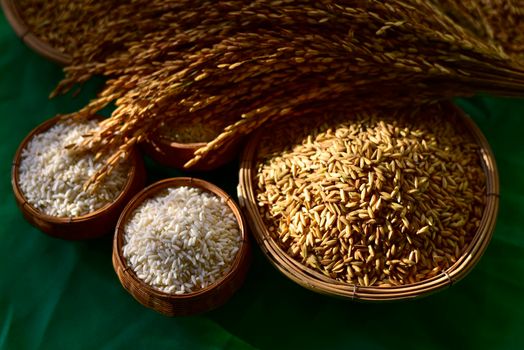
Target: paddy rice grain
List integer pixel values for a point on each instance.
(371, 198)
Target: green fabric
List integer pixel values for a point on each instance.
(65, 295)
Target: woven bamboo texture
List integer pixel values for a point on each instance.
(196, 302)
(92, 225)
(317, 282)
(21, 29)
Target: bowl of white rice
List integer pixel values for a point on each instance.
(181, 247)
(49, 178)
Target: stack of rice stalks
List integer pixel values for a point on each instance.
(499, 21)
(247, 63)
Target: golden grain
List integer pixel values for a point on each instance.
(239, 63)
(363, 229)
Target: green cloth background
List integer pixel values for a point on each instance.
(56, 294)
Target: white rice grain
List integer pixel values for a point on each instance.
(51, 177)
(181, 240)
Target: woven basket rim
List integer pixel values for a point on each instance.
(156, 138)
(20, 197)
(319, 283)
(22, 30)
(149, 192)
(176, 155)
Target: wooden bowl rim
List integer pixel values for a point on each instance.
(150, 192)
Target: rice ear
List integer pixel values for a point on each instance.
(246, 65)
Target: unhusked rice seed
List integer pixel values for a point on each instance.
(373, 198)
(52, 176)
(181, 240)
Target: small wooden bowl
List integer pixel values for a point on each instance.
(15, 19)
(175, 154)
(91, 225)
(317, 282)
(196, 302)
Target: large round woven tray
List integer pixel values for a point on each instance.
(317, 282)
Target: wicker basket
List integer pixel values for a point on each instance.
(92, 225)
(317, 282)
(191, 303)
(14, 17)
(175, 154)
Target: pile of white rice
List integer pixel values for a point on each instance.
(181, 240)
(52, 177)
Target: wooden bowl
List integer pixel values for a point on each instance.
(175, 154)
(15, 19)
(317, 282)
(92, 225)
(195, 302)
